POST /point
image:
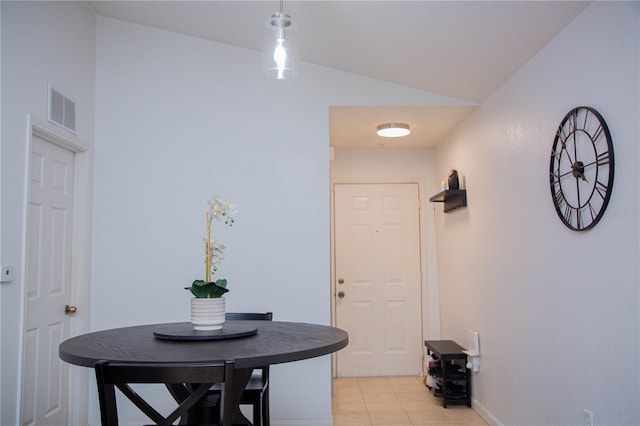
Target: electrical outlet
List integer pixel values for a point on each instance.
(6, 274)
(587, 417)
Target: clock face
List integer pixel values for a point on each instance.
(581, 168)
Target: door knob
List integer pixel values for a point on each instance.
(340, 281)
(341, 294)
(70, 310)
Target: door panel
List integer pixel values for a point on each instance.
(48, 269)
(377, 249)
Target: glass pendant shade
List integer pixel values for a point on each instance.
(279, 53)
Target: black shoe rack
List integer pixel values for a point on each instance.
(452, 376)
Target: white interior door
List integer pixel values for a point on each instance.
(378, 285)
(48, 285)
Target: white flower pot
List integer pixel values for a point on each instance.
(207, 314)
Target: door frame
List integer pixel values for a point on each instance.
(77, 378)
(425, 263)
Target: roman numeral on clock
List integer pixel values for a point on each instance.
(603, 158)
(601, 189)
(568, 213)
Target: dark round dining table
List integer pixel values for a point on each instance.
(274, 342)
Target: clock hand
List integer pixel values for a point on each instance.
(562, 175)
(595, 162)
(580, 175)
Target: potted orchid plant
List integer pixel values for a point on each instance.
(207, 305)
(221, 211)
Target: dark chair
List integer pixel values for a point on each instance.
(188, 383)
(256, 393)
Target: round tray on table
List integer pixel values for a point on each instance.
(185, 331)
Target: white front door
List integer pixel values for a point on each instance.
(48, 284)
(377, 275)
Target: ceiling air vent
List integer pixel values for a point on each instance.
(62, 110)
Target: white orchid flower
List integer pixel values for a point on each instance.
(219, 208)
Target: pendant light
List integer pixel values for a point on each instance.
(393, 130)
(279, 53)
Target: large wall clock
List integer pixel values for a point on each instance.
(581, 168)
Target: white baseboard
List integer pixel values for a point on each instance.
(484, 413)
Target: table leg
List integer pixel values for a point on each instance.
(444, 382)
(237, 384)
(468, 373)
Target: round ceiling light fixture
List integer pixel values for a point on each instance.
(393, 130)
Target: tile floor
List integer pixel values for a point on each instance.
(394, 401)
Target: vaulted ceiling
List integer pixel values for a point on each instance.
(461, 49)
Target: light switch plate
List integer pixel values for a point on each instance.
(7, 274)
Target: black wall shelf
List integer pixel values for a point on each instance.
(452, 199)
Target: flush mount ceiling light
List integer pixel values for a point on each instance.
(393, 130)
(279, 54)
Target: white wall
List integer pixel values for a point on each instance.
(415, 165)
(180, 119)
(42, 42)
(557, 310)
